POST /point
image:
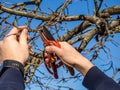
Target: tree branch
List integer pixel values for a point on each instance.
(25, 14)
(46, 18)
(96, 5)
(19, 4)
(112, 10)
(115, 73)
(114, 23)
(86, 39)
(75, 31)
(117, 29)
(63, 7)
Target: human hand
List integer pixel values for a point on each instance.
(70, 57)
(66, 53)
(15, 47)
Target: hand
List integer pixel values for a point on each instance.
(15, 47)
(71, 57)
(66, 53)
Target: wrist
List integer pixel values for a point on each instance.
(12, 64)
(83, 65)
(19, 60)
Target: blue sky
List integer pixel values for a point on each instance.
(77, 8)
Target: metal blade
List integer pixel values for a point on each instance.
(47, 34)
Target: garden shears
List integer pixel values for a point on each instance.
(52, 62)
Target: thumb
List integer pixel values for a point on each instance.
(53, 49)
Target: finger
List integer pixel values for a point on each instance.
(21, 28)
(53, 49)
(14, 32)
(16, 29)
(23, 37)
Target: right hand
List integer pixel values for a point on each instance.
(66, 53)
(71, 57)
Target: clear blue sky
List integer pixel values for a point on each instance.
(77, 8)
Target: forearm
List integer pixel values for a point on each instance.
(94, 79)
(14, 51)
(83, 65)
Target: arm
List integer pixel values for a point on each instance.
(15, 48)
(94, 78)
(12, 79)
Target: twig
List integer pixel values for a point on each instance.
(62, 9)
(19, 4)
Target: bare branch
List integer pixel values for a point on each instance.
(19, 4)
(46, 18)
(26, 14)
(96, 5)
(114, 23)
(86, 39)
(115, 73)
(75, 31)
(63, 7)
(112, 10)
(101, 1)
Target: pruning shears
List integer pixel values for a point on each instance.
(53, 61)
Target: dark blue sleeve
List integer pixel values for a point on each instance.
(12, 79)
(95, 79)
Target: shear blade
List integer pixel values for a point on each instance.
(47, 34)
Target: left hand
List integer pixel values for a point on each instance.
(15, 47)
